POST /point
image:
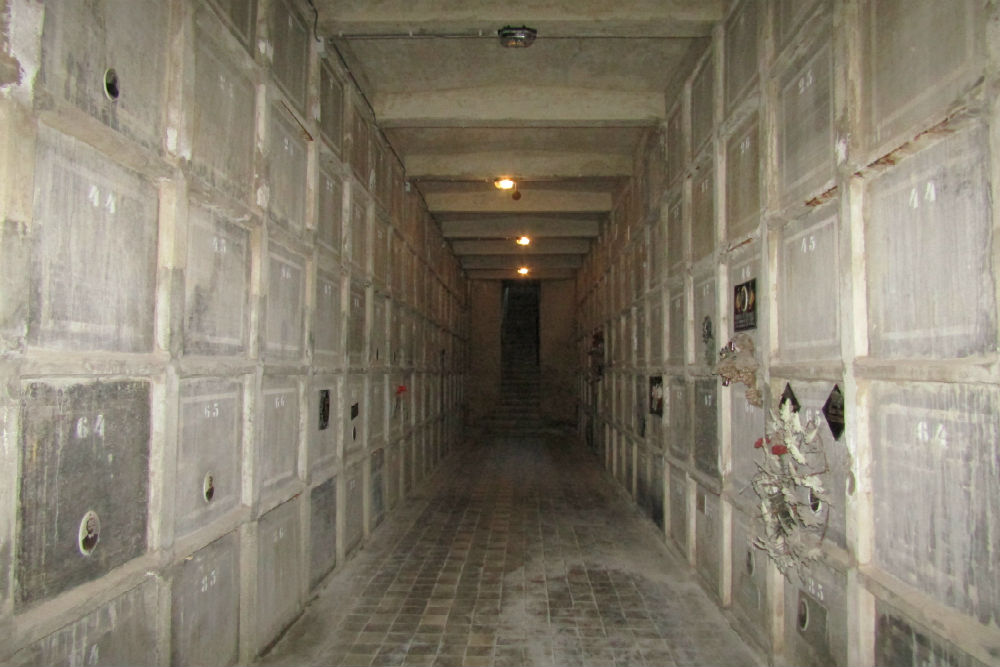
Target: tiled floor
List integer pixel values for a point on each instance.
(519, 552)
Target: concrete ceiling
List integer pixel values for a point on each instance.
(563, 116)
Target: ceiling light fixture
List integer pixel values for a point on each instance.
(523, 270)
(523, 240)
(504, 183)
(517, 38)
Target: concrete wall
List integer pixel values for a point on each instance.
(844, 155)
(557, 356)
(228, 333)
(485, 313)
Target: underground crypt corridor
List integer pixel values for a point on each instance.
(632, 332)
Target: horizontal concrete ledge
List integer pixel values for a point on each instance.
(518, 123)
(539, 274)
(489, 227)
(547, 165)
(531, 201)
(543, 246)
(513, 261)
(521, 104)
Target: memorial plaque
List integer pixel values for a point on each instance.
(805, 117)
(324, 409)
(323, 530)
(84, 483)
(900, 641)
(708, 536)
(204, 597)
(208, 452)
(745, 306)
(327, 318)
(354, 511)
(107, 59)
(808, 300)
(815, 631)
(331, 101)
(119, 632)
(702, 103)
(934, 489)
(288, 167)
(705, 429)
(277, 438)
(678, 507)
(833, 410)
(279, 571)
(656, 395)
(94, 253)
(285, 296)
(932, 211)
(290, 63)
(708, 338)
(327, 429)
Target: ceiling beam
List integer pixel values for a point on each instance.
(543, 164)
(519, 104)
(531, 201)
(501, 274)
(513, 226)
(508, 247)
(665, 18)
(513, 262)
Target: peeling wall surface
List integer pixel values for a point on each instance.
(841, 159)
(213, 378)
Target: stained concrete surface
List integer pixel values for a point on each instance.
(518, 552)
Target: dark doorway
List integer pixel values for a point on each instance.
(519, 325)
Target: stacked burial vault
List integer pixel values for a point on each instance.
(843, 156)
(230, 337)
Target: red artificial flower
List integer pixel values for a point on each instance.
(759, 443)
(401, 389)
(778, 450)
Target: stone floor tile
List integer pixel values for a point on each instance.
(517, 552)
(419, 660)
(477, 661)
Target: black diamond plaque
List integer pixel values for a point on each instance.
(833, 410)
(789, 395)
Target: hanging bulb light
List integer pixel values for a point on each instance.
(523, 270)
(523, 240)
(504, 183)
